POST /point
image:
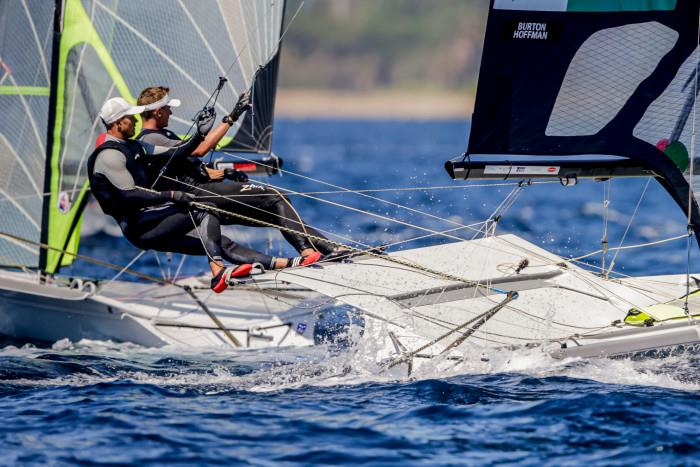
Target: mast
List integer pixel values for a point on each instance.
(53, 97)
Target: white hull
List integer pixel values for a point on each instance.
(561, 308)
(156, 315)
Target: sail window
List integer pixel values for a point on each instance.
(604, 74)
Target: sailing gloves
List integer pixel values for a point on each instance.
(243, 105)
(205, 120)
(181, 198)
(235, 175)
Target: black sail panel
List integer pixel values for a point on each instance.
(255, 132)
(571, 78)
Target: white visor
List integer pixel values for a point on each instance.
(167, 100)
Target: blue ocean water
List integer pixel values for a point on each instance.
(106, 403)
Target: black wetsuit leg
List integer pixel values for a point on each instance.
(262, 203)
(239, 254)
(166, 230)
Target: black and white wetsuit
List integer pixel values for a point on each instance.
(237, 197)
(117, 172)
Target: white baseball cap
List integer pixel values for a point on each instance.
(166, 100)
(116, 108)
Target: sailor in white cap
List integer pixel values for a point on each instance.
(121, 180)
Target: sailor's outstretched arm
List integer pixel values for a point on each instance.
(242, 105)
(211, 140)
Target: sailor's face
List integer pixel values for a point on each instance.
(163, 116)
(127, 126)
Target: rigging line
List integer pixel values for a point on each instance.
(380, 216)
(629, 224)
(500, 210)
(128, 266)
(21, 245)
(364, 195)
(541, 319)
(179, 267)
(483, 316)
(400, 189)
(604, 289)
(422, 237)
(627, 247)
(651, 286)
(4, 197)
(370, 252)
(260, 209)
(199, 235)
(284, 33)
(579, 273)
(607, 191)
(86, 258)
(160, 266)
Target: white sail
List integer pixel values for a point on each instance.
(107, 48)
(25, 59)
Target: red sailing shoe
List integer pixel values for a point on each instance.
(223, 279)
(304, 260)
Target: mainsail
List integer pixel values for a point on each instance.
(61, 60)
(583, 88)
(24, 98)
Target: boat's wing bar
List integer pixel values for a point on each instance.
(452, 293)
(490, 167)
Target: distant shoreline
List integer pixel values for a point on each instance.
(405, 105)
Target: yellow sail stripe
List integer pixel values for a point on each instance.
(24, 91)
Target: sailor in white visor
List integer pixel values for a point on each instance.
(237, 195)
